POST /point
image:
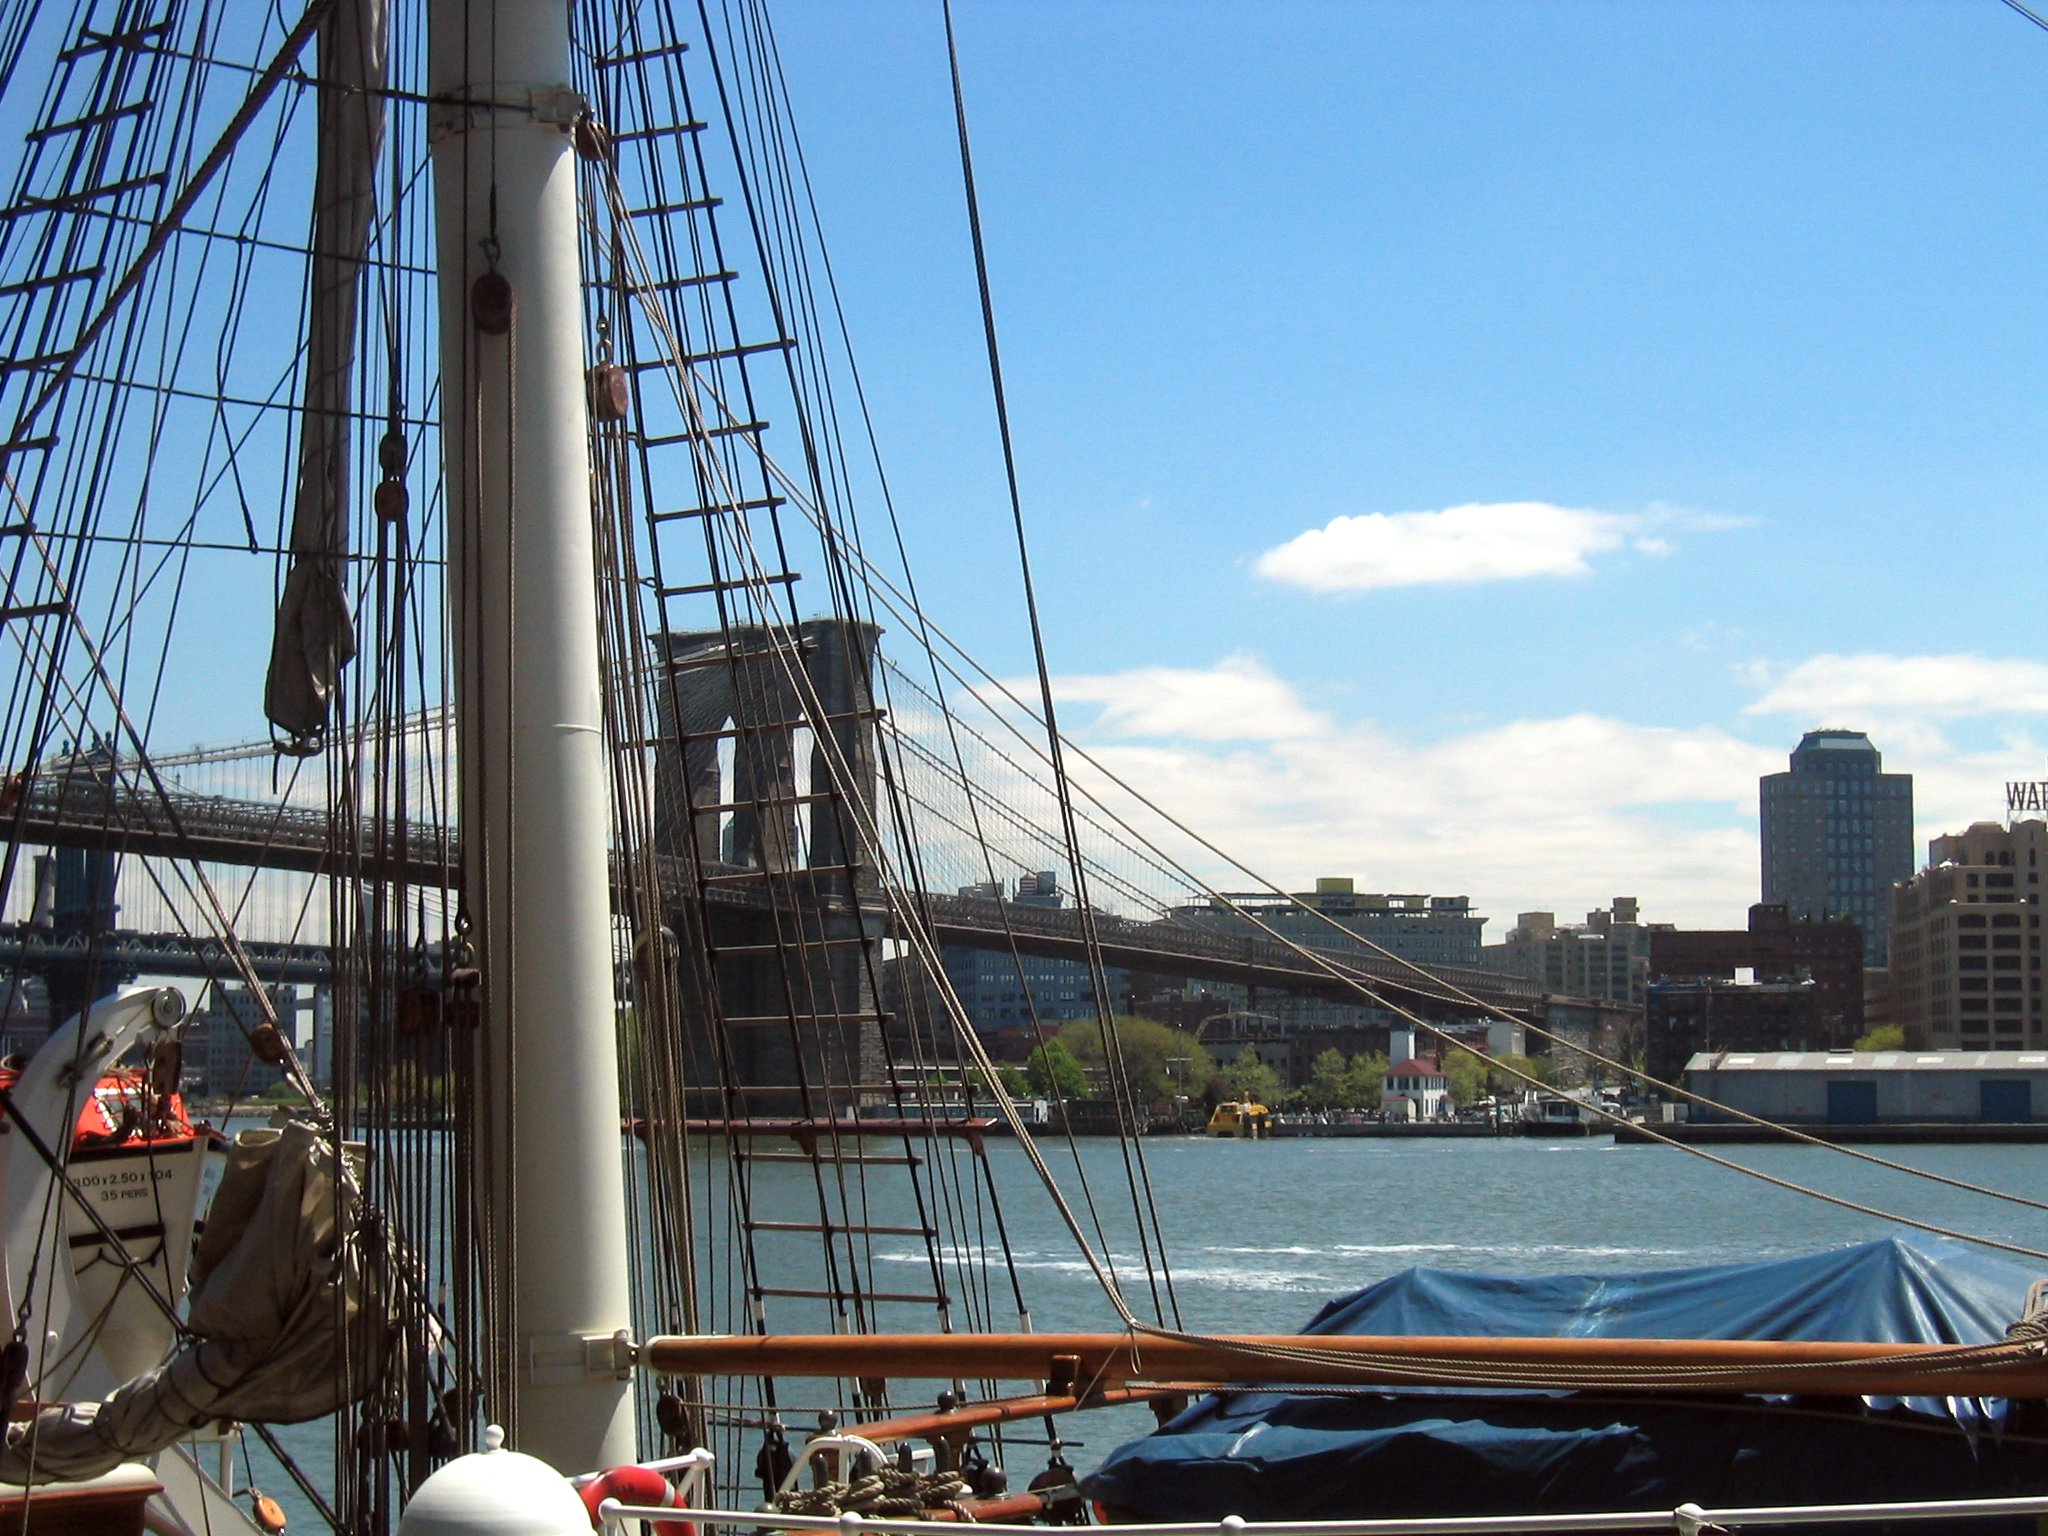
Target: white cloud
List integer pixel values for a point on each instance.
(1236, 700)
(1695, 521)
(1557, 813)
(1560, 814)
(1478, 541)
(1838, 688)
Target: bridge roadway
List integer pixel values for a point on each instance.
(161, 954)
(272, 836)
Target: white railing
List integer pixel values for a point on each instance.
(1685, 1520)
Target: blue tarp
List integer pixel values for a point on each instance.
(1295, 1456)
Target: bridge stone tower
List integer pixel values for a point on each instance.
(79, 885)
(779, 963)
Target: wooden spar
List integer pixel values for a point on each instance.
(1005, 1509)
(1006, 1410)
(1084, 1364)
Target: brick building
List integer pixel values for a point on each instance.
(1709, 1015)
(1776, 947)
(1781, 984)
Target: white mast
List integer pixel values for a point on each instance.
(523, 610)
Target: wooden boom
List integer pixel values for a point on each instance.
(1085, 1364)
(1003, 1410)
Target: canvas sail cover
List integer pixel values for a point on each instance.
(315, 637)
(280, 1310)
(1416, 1452)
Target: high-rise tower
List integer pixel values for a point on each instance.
(1838, 834)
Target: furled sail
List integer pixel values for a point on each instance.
(284, 1329)
(315, 637)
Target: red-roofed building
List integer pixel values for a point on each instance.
(1414, 1089)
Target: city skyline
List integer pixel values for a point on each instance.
(1959, 791)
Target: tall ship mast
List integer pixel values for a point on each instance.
(529, 706)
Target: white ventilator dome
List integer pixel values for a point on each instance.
(495, 1492)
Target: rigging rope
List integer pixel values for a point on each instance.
(2034, 16)
(1112, 1054)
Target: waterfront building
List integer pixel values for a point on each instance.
(1837, 834)
(320, 1042)
(1288, 1046)
(1214, 1004)
(1707, 1015)
(1966, 941)
(1777, 947)
(1879, 1011)
(1606, 957)
(1873, 1087)
(1415, 1085)
(1430, 930)
(997, 989)
(217, 1050)
(1003, 991)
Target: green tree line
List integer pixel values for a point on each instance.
(1162, 1063)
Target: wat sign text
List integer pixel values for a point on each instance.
(2024, 796)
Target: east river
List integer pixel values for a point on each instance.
(1260, 1234)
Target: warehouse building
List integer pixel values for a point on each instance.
(1874, 1087)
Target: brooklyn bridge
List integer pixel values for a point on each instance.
(755, 850)
(112, 811)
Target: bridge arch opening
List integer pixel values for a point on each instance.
(727, 789)
(802, 747)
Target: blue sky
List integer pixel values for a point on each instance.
(1464, 445)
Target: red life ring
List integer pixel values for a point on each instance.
(642, 1487)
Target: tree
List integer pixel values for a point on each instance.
(1506, 1081)
(1327, 1087)
(1054, 1073)
(1468, 1077)
(1159, 1061)
(1364, 1079)
(1012, 1079)
(1886, 1037)
(1250, 1078)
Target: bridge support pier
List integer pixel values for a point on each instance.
(786, 1016)
(79, 883)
